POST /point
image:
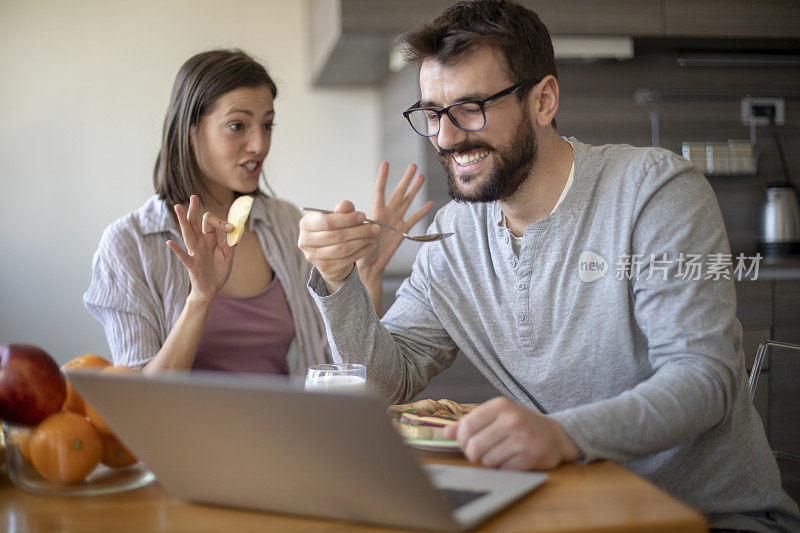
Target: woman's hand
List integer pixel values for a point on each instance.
(208, 262)
(370, 267)
(392, 213)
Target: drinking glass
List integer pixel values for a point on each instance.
(337, 377)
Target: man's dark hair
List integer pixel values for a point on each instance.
(201, 80)
(511, 28)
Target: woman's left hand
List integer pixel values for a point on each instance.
(392, 213)
(370, 267)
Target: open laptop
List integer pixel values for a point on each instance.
(264, 443)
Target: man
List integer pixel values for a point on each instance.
(642, 366)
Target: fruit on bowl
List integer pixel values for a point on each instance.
(70, 451)
(74, 402)
(65, 448)
(31, 384)
(115, 454)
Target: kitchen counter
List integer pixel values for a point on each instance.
(780, 269)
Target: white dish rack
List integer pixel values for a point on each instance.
(731, 158)
(727, 158)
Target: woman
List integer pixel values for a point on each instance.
(210, 306)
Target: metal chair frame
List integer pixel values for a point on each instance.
(755, 372)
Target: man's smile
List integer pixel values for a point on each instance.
(470, 158)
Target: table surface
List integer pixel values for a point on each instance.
(589, 498)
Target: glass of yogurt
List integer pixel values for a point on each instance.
(337, 377)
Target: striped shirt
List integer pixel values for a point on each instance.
(139, 286)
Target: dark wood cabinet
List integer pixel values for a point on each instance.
(776, 305)
(568, 17)
(731, 18)
(351, 40)
(634, 18)
(784, 384)
(754, 304)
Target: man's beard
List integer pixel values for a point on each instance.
(510, 170)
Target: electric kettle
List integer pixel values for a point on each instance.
(780, 221)
(780, 217)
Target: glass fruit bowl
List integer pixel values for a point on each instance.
(101, 479)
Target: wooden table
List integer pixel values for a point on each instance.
(598, 497)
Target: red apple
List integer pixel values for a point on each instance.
(31, 385)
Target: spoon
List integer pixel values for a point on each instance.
(430, 237)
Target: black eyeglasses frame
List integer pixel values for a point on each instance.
(446, 110)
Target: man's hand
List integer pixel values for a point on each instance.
(503, 434)
(333, 243)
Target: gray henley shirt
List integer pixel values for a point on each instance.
(601, 322)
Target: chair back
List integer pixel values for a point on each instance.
(753, 382)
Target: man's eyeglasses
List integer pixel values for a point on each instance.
(467, 116)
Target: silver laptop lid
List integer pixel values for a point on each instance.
(263, 443)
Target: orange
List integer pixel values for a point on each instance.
(74, 401)
(65, 447)
(115, 454)
(93, 416)
(87, 360)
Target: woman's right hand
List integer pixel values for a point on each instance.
(208, 262)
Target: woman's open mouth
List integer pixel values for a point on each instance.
(252, 168)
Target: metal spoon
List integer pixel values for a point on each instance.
(431, 237)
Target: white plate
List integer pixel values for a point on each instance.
(450, 446)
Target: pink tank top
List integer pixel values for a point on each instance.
(247, 334)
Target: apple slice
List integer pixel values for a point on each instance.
(237, 216)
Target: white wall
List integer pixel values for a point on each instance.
(83, 89)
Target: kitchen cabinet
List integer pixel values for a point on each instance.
(351, 40)
(784, 408)
(754, 304)
(784, 384)
(769, 310)
(638, 18)
(731, 18)
(567, 17)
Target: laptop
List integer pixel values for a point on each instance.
(263, 443)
